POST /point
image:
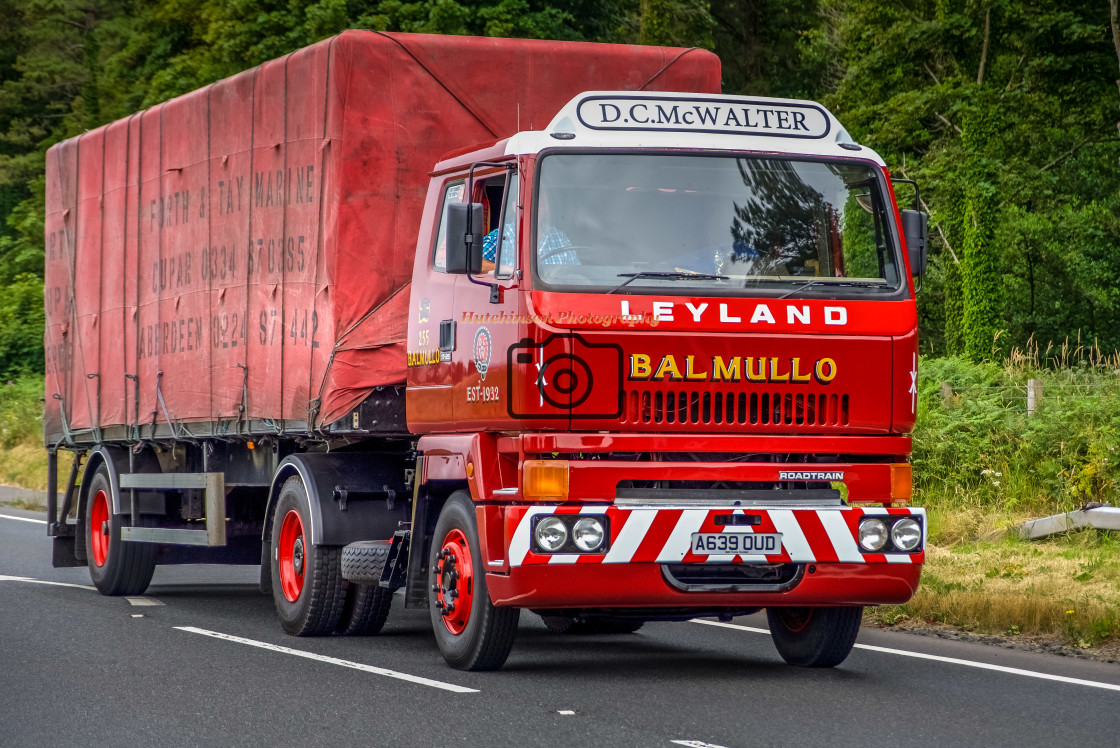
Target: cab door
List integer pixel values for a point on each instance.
(488, 310)
(432, 335)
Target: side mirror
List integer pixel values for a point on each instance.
(915, 226)
(458, 216)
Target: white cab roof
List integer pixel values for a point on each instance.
(653, 119)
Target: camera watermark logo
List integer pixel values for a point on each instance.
(565, 376)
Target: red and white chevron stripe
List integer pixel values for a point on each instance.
(665, 535)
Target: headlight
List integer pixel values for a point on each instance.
(587, 534)
(551, 534)
(872, 534)
(906, 534)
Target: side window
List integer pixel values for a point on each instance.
(453, 194)
(507, 246)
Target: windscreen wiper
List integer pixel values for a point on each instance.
(676, 275)
(830, 282)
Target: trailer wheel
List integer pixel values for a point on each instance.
(116, 567)
(367, 607)
(307, 584)
(814, 637)
(471, 632)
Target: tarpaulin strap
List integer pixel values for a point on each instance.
(482, 121)
(243, 408)
(178, 431)
(318, 271)
(667, 65)
(62, 414)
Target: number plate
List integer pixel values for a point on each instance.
(737, 543)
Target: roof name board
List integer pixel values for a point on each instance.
(725, 116)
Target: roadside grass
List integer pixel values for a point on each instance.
(982, 465)
(25, 466)
(23, 458)
(1067, 586)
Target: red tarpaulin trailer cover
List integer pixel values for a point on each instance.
(242, 254)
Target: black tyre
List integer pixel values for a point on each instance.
(471, 632)
(365, 610)
(814, 637)
(116, 567)
(364, 561)
(307, 584)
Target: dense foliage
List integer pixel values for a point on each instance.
(1003, 110)
(980, 447)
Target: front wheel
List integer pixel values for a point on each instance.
(471, 632)
(814, 637)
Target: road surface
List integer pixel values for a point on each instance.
(202, 660)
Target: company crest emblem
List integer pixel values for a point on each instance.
(482, 350)
(424, 308)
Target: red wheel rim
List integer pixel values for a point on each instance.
(454, 582)
(291, 556)
(796, 619)
(99, 528)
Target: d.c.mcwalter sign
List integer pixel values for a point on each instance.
(704, 114)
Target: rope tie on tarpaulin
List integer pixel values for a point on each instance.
(443, 85)
(666, 66)
(318, 271)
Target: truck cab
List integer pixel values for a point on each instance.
(677, 337)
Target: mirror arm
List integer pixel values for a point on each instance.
(919, 280)
(508, 166)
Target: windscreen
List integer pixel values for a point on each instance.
(713, 224)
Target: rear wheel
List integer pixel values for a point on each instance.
(366, 608)
(814, 637)
(116, 567)
(471, 632)
(307, 584)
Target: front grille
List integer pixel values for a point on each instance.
(687, 407)
(733, 577)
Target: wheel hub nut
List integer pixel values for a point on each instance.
(297, 556)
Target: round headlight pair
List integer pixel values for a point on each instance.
(905, 534)
(587, 534)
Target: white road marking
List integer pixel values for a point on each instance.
(331, 660)
(137, 615)
(144, 601)
(23, 519)
(949, 660)
(5, 578)
(752, 629)
(695, 744)
(566, 712)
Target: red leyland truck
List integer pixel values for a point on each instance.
(500, 324)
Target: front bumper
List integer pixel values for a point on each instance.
(819, 543)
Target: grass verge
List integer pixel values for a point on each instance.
(25, 466)
(1067, 586)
